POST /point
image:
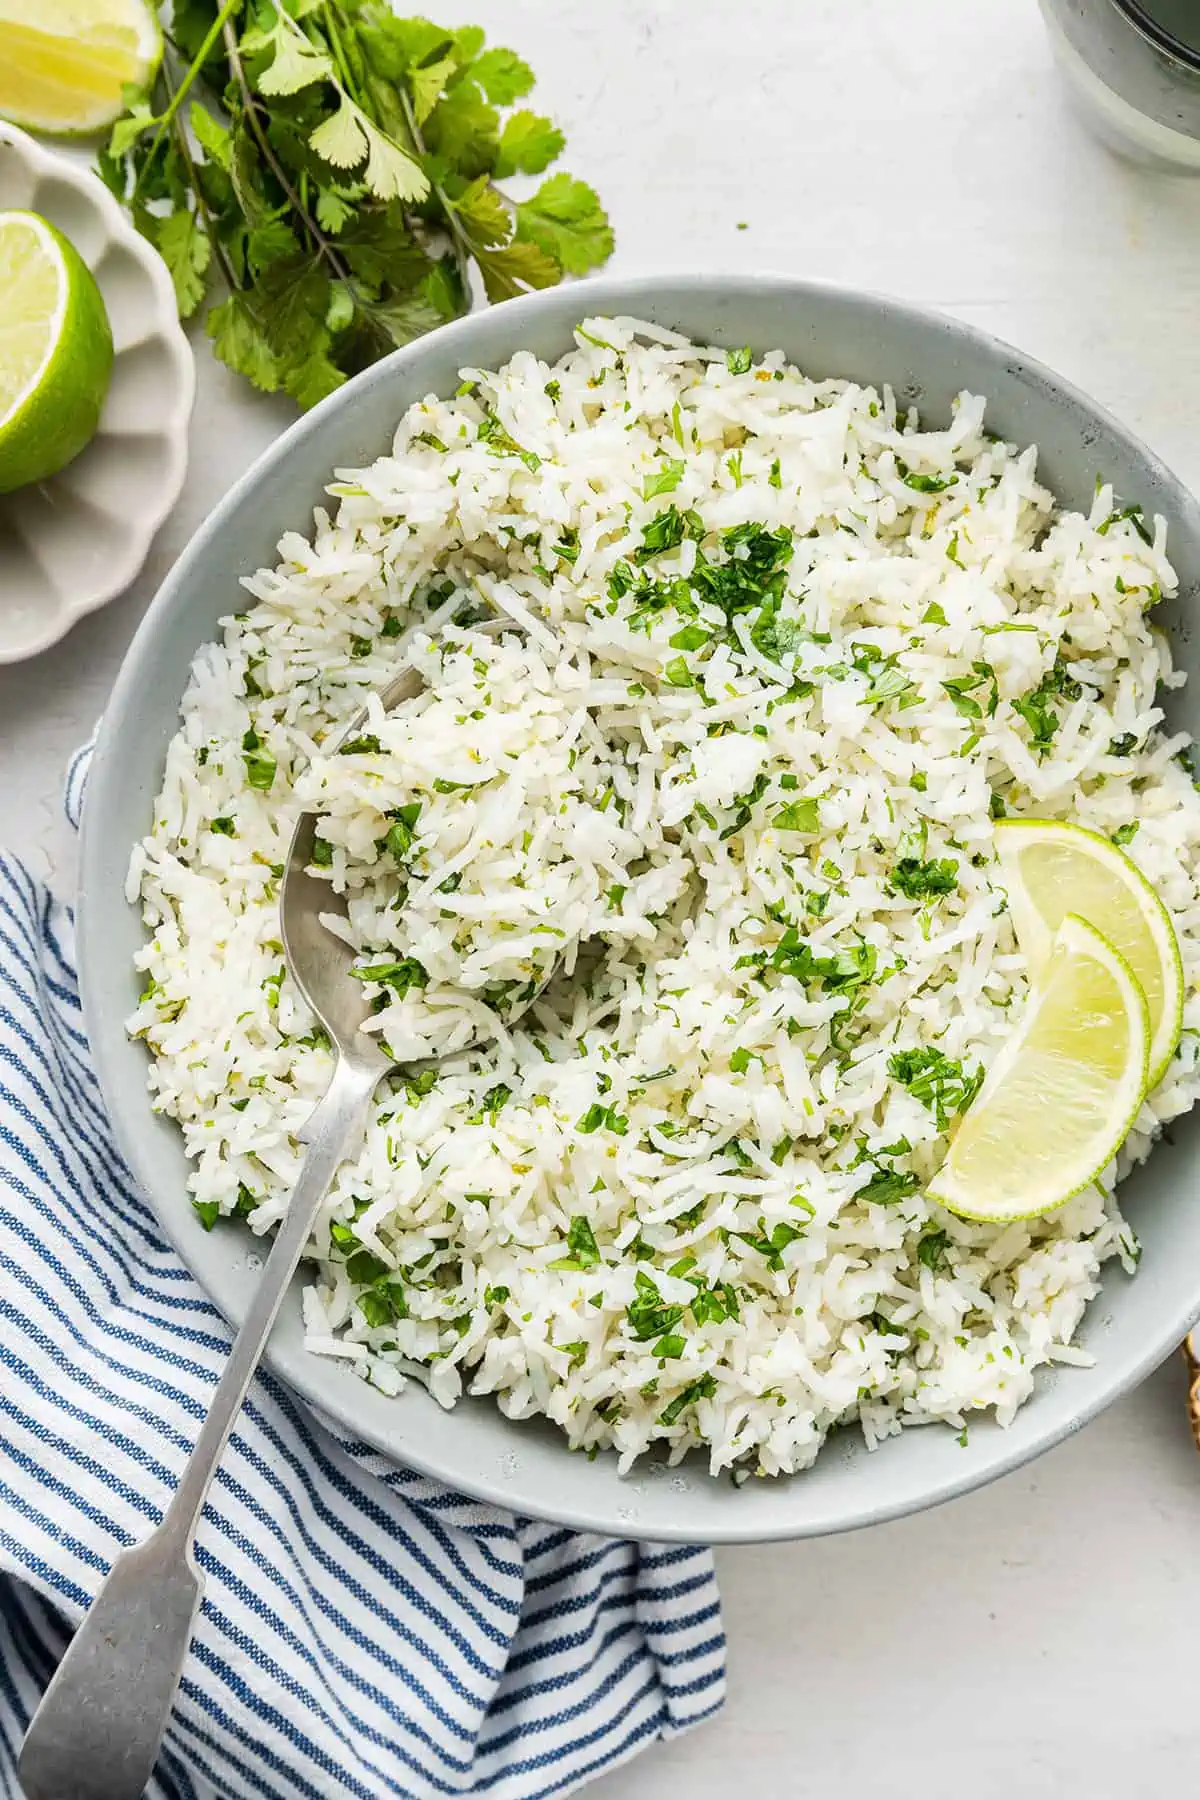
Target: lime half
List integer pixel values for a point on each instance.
(63, 63)
(1052, 868)
(56, 351)
(1061, 1096)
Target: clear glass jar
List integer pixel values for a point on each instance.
(1134, 68)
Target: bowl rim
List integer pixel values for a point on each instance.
(300, 1369)
(175, 418)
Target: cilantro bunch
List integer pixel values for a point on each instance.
(322, 176)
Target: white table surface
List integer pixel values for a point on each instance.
(1038, 1639)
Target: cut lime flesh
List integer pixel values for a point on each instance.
(1060, 1098)
(1053, 868)
(56, 351)
(64, 63)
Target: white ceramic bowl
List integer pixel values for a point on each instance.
(1131, 1325)
(73, 542)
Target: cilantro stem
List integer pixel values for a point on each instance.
(214, 31)
(184, 148)
(320, 242)
(463, 252)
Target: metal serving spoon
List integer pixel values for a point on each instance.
(96, 1734)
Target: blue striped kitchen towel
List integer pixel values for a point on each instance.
(365, 1632)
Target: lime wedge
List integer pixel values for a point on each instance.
(56, 351)
(63, 63)
(1052, 868)
(1062, 1094)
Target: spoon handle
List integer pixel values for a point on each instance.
(96, 1734)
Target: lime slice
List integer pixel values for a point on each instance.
(1052, 868)
(56, 351)
(63, 63)
(1061, 1096)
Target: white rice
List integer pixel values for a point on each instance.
(641, 1209)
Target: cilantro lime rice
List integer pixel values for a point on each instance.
(718, 809)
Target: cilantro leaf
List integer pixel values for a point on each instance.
(483, 212)
(528, 144)
(515, 269)
(566, 220)
(502, 76)
(335, 166)
(186, 248)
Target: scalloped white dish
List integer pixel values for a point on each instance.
(72, 543)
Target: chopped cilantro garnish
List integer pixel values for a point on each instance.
(664, 480)
(771, 1244)
(944, 1086)
(739, 362)
(964, 687)
(798, 815)
(840, 973)
(581, 1242)
(924, 484)
(756, 569)
(606, 1117)
(891, 683)
(383, 1303)
(322, 853)
(648, 1315)
(495, 1100)
(886, 1186)
(399, 974)
(223, 827)
(1136, 518)
(260, 764)
(1036, 710)
(665, 532)
(1124, 833)
(399, 835)
(918, 880)
(703, 1389)
(500, 443)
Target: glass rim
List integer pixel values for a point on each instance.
(1158, 34)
